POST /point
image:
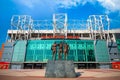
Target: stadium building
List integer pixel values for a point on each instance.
(92, 43)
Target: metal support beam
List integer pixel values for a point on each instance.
(60, 24)
(21, 23)
(97, 24)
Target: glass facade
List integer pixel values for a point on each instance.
(40, 50)
(80, 50)
(101, 51)
(8, 52)
(118, 44)
(19, 51)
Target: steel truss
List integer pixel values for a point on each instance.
(97, 25)
(23, 25)
(60, 24)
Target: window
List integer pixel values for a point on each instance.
(90, 52)
(110, 53)
(5, 59)
(8, 53)
(115, 53)
(111, 59)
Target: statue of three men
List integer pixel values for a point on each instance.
(62, 47)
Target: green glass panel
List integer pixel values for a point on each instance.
(40, 50)
(101, 51)
(19, 51)
(118, 41)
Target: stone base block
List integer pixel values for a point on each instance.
(60, 69)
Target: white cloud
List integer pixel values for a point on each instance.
(110, 5)
(37, 7)
(67, 3)
(27, 3)
(71, 3)
(58, 3)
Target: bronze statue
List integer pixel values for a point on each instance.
(62, 47)
(66, 50)
(60, 50)
(54, 50)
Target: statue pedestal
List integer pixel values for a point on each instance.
(60, 69)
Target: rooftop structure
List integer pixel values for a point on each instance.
(24, 27)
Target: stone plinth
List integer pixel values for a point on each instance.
(60, 69)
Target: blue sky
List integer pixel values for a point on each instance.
(43, 9)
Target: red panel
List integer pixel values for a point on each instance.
(116, 65)
(59, 37)
(115, 62)
(4, 65)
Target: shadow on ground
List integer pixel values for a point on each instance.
(78, 74)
